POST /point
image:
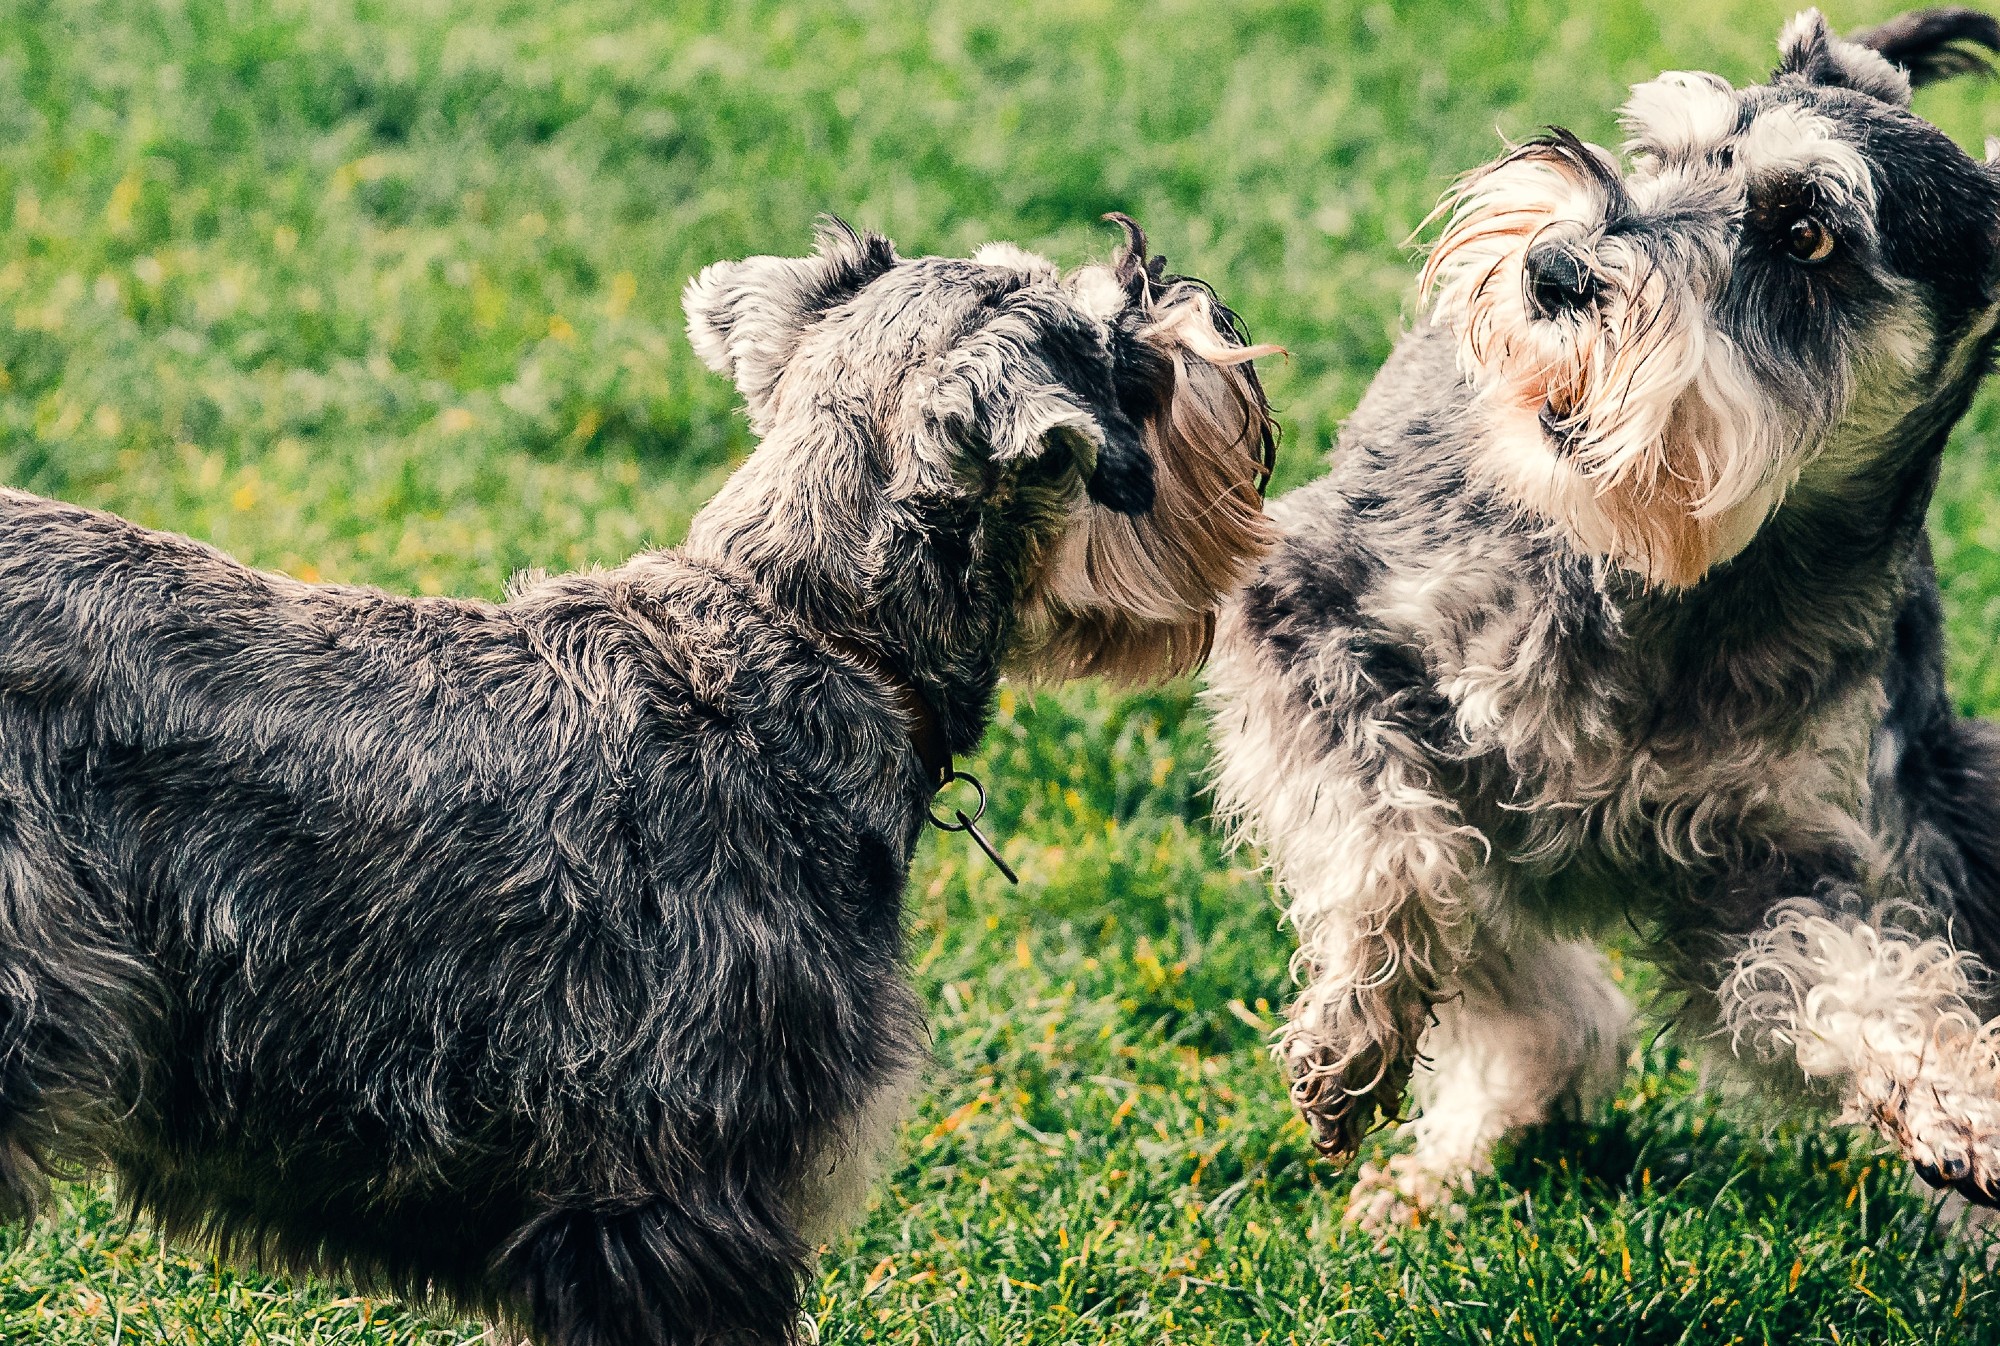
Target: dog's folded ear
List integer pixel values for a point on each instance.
(1810, 50)
(1890, 59)
(745, 318)
(1004, 398)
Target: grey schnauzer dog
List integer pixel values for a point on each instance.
(1617, 606)
(543, 958)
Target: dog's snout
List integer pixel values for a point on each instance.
(1560, 279)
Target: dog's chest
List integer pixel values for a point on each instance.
(1577, 739)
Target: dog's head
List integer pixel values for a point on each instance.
(1776, 285)
(1099, 436)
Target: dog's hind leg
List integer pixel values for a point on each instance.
(1934, 782)
(68, 997)
(1535, 1028)
(23, 1179)
(1938, 796)
(1375, 863)
(705, 1269)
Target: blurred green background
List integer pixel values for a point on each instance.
(389, 293)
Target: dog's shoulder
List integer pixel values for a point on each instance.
(1400, 507)
(699, 650)
(666, 616)
(1418, 387)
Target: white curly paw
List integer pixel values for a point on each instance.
(1401, 1194)
(1951, 1135)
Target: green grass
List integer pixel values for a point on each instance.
(388, 292)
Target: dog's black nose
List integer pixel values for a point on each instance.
(1560, 280)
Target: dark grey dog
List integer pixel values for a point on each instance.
(543, 958)
(1617, 606)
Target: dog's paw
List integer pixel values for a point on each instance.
(1951, 1136)
(1343, 1096)
(1401, 1193)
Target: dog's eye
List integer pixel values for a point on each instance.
(1808, 240)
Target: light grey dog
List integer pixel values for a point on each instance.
(1617, 607)
(544, 957)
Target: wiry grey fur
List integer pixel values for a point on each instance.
(543, 957)
(1616, 606)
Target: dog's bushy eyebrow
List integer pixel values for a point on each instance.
(1563, 148)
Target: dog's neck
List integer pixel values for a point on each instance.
(919, 719)
(927, 598)
(1831, 567)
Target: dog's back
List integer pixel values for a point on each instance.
(325, 884)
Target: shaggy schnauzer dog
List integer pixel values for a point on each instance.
(542, 958)
(1617, 606)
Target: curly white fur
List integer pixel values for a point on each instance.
(1885, 1021)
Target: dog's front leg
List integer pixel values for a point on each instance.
(1885, 1019)
(1376, 868)
(1532, 1027)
